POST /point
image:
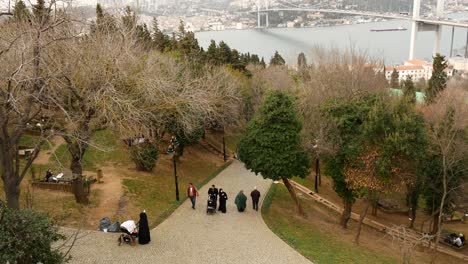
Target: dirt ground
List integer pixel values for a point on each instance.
(422, 219)
(44, 155)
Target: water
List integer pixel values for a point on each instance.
(390, 46)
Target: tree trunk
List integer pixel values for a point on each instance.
(435, 226)
(361, 219)
(12, 192)
(77, 150)
(293, 195)
(78, 189)
(9, 176)
(346, 215)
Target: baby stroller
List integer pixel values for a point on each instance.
(211, 206)
(129, 233)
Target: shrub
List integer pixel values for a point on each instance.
(27, 236)
(145, 156)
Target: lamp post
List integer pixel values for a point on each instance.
(174, 145)
(224, 150)
(318, 180)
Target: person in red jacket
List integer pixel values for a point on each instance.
(192, 193)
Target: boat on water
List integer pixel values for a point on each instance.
(389, 29)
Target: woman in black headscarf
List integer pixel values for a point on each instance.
(222, 201)
(143, 230)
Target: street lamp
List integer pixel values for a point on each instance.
(318, 180)
(172, 149)
(224, 150)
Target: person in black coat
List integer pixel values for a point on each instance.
(144, 236)
(255, 194)
(222, 200)
(213, 191)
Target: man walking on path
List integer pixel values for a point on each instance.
(241, 201)
(192, 193)
(255, 194)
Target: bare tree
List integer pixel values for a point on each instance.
(27, 49)
(447, 126)
(407, 240)
(177, 94)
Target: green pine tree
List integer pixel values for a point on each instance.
(271, 144)
(224, 53)
(129, 19)
(409, 90)
(438, 80)
(20, 11)
(40, 11)
(394, 79)
(277, 59)
(160, 40)
(262, 63)
(212, 53)
(301, 61)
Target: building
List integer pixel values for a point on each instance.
(417, 69)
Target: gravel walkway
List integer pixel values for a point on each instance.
(192, 236)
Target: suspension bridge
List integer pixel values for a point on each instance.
(418, 22)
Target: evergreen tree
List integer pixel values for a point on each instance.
(394, 79)
(271, 144)
(224, 53)
(99, 13)
(438, 80)
(188, 46)
(40, 11)
(277, 59)
(181, 31)
(409, 91)
(254, 59)
(301, 61)
(262, 63)
(20, 11)
(129, 19)
(104, 22)
(212, 53)
(160, 40)
(144, 36)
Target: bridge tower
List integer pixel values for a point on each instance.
(415, 26)
(260, 5)
(438, 30)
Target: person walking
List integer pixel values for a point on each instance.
(241, 201)
(192, 193)
(222, 201)
(255, 194)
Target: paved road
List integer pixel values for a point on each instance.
(192, 236)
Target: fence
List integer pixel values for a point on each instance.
(64, 187)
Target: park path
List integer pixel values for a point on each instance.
(192, 236)
(44, 155)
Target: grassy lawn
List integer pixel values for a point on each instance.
(309, 237)
(31, 141)
(105, 146)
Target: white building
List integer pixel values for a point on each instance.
(417, 69)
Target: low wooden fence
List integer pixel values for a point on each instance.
(64, 187)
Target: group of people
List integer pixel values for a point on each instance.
(214, 193)
(131, 231)
(456, 240)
